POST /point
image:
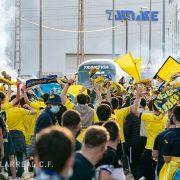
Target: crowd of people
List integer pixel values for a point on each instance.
(100, 135)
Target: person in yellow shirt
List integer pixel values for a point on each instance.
(8, 151)
(9, 101)
(155, 122)
(15, 118)
(29, 124)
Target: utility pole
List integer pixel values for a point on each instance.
(150, 32)
(80, 41)
(127, 38)
(40, 38)
(178, 37)
(164, 30)
(140, 40)
(17, 40)
(113, 30)
(140, 35)
(177, 30)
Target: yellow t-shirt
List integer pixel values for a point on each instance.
(37, 105)
(15, 118)
(69, 105)
(7, 105)
(95, 117)
(29, 122)
(121, 115)
(154, 125)
(113, 117)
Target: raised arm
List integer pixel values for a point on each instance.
(108, 96)
(18, 94)
(9, 91)
(26, 99)
(65, 90)
(135, 106)
(98, 93)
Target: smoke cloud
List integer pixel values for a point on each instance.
(6, 15)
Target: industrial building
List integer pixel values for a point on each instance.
(60, 25)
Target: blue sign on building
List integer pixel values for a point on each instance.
(121, 15)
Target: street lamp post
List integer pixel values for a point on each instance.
(141, 35)
(113, 29)
(177, 30)
(127, 38)
(40, 38)
(140, 40)
(164, 29)
(150, 31)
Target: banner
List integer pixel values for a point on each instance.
(129, 65)
(51, 88)
(34, 82)
(166, 101)
(169, 69)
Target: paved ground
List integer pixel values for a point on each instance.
(28, 176)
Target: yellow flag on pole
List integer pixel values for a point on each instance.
(168, 70)
(138, 63)
(129, 65)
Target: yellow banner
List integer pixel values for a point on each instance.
(131, 66)
(168, 70)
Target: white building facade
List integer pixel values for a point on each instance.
(59, 47)
(174, 28)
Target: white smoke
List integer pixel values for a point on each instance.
(6, 16)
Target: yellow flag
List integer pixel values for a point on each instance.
(127, 63)
(99, 80)
(118, 87)
(146, 82)
(6, 81)
(76, 89)
(138, 63)
(168, 70)
(92, 72)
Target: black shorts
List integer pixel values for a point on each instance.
(18, 140)
(9, 147)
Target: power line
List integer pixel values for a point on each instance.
(70, 31)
